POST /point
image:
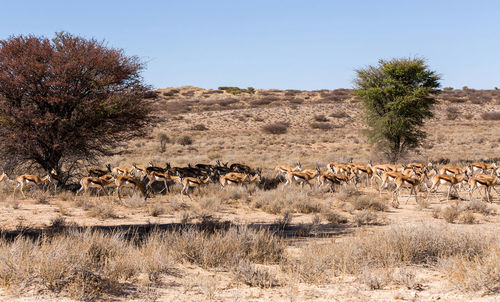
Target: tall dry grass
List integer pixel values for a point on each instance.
(88, 264)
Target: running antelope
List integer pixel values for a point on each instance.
(285, 169)
(240, 178)
(486, 181)
(95, 182)
(192, 182)
(166, 178)
(412, 182)
(333, 179)
(129, 181)
(96, 172)
(27, 179)
(483, 167)
(300, 177)
(450, 180)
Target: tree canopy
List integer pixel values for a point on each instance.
(64, 101)
(397, 96)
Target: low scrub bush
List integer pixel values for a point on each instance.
(321, 126)
(275, 128)
(491, 116)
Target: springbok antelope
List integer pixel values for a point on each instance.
(387, 177)
(283, 169)
(360, 170)
(299, 177)
(166, 178)
(452, 171)
(333, 179)
(451, 180)
(121, 171)
(412, 182)
(337, 168)
(379, 169)
(483, 167)
(139, 169)
(27, 179)
(129, 181)
(486, 181)
(192, 182)
(240, 178)
(95, 182)
(96, 172)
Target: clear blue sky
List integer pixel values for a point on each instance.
(277, 44)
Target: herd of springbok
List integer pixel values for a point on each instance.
(413, 176)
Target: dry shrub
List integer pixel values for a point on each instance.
(83, 264)
(102, 210)
(227, 248)
(88, 264)
(467, 217)
(478, 206)
(313, 265)
(374, 278)
(185, 140)
(478, 273)
(275, 202)
(156, 209)
(275, 128)
(296, 101)
(320, 118)
(339, 114)
(335, 218)
(255, 276)
(199, 127)
(369, 202)
(450, 214)
(491, 116)
(406, 245)
(367, 217)
(321, 126)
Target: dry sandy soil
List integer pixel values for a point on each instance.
(232, 132)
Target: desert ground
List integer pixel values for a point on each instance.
(260, 244)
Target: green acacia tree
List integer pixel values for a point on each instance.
(397, 96)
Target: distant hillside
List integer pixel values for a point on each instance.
(192, 99)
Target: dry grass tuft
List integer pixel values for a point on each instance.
(491, 116)
(102, 210)
(255, 276)
(275, 128)
(450, 214)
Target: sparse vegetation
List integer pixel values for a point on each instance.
(275, 128)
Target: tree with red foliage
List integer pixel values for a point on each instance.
(66, 101)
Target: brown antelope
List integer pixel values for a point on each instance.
(129, 181)
(333, 179)
(451, 170)
(337, 168)
(361, 169)
(379, 169)
(451, 180)
(483, 167)
(299, 177)
(166, 178)
(95, 182)
(139, 169)
(27, 179)
(412, 182)
(240, 178)
(121, 171)
(486, 181)
(192, 182)
(96, 172)
(285, 169)
(387, 177)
